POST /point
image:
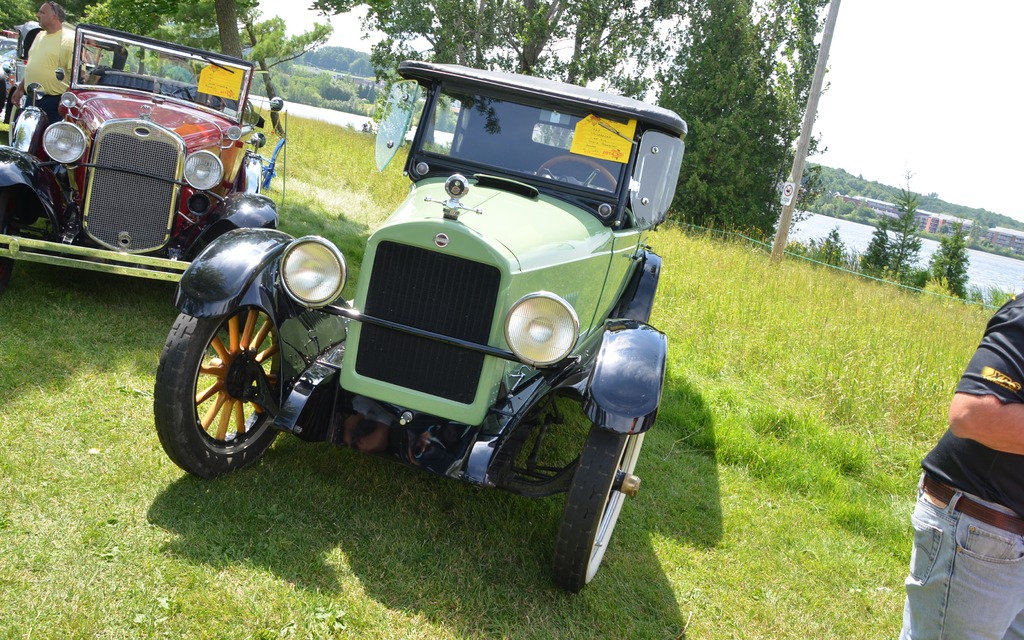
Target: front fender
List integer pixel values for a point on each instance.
(624, 389)
(26, 176)
(638, 298)
(226, 274)
(238, 211)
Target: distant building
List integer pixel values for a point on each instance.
(1006, 239)
(925, 220)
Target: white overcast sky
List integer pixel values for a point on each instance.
(930, 87)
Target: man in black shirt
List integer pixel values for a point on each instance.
(967, 567)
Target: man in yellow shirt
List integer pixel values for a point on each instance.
(50, 51)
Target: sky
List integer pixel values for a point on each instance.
(932, 88)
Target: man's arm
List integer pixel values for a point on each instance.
(988, 420)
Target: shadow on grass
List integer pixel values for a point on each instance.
(57, 321)
(477, 560)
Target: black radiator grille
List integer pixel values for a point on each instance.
(436, 292)
(124, 210)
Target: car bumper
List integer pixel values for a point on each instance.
(64, 255)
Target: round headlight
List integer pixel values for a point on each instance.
(313, 271)
(64, 142)
(203, 170)
(541, 329)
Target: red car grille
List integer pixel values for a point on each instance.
(436, 292)
(130, 195)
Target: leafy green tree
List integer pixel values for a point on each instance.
(949, 263)
(15, 12)
(141, 17)
(740, 80)
(609, 39)
(832, 249)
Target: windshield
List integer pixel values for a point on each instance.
(105, 60)
(505, 137)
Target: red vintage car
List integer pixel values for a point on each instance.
(148, 165)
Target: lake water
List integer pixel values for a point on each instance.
(985, 270)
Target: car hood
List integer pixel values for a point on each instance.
(196, 127)
(533, 231)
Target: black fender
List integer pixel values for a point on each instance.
(34, 184)
(637, 298)
(228, 272)
(237, 211)
(624, 389)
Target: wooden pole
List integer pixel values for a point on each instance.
(797, 172)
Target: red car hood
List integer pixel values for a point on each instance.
(196, 127)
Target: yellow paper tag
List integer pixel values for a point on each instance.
(221, 82)
(605, 139)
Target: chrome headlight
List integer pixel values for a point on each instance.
(203, 170)
(313, 271)
(541, 329)
(64, 142)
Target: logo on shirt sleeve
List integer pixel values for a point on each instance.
(1000, 378)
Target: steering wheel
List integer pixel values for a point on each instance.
(588, 162)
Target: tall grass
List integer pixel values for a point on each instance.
(778, 481)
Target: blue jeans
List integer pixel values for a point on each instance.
(966, 577)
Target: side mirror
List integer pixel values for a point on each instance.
(258, 141)
(276, 104)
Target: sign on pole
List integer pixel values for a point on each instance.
(788, 190)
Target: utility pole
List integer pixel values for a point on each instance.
(796, 174)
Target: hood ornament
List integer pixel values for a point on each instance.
(455, 186)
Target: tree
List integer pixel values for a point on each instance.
(875, 260)
(949, 263)
(740, 80)
(610, 39)
(894, 256)
(269, 47)
(906, 245)
(15, 12)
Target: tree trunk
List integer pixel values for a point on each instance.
(227, 23)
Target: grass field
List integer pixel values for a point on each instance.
(778, 481)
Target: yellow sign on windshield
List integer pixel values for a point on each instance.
(604, 139)
(221, 82)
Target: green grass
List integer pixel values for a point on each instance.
(778, 481)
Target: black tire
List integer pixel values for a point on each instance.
(593, 505)
(206, 402)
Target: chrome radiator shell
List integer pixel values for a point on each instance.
(132, 188)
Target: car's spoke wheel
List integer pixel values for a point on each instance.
(592, 506)
(214, 378)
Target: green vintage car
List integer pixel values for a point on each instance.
(513, 281)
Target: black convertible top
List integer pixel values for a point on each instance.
(543, 88)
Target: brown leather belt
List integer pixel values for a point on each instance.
(988, 515)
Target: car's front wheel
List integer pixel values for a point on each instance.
(212, 384)
(593, 504)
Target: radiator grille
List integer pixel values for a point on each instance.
(433, 291)
(124, 210)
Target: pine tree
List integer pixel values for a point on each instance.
(949, 263)
(906, 244)
(875, 260)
